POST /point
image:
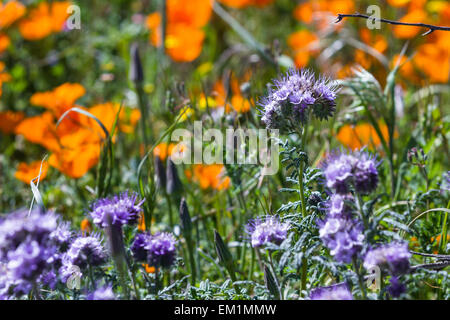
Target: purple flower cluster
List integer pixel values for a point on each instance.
(265, 230)
(395, 256)
(395, 288)
(335, 292)
(102, 293)
(117, 211)
(157, 250)
(445, 184)
(358, 168)
(86, 251)
(339, 231)
(26, 250)
(292, 97)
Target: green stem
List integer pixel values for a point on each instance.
(443, 243)
(360, 279)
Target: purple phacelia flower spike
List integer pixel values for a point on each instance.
(358, 168)
(161, 249)
(86, 251)
(267, 229)
(293, 95)
(395, 288)
(117, 211)
(26, 250)
(335, 292)
(395, 256)
(138, 247)
(102, 293)
(339, 231)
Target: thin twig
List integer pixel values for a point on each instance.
(437, 256)
(437, 265)
(430, 27)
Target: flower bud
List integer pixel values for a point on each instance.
(136, 72)
(185, 218)
(271, 283)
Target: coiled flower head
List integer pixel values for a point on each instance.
(395, 256)
(138, 247)
(86, 251)
(335, 292)
(118, 210)
(344, 169)
(161, 250)
(292, 97)
(339, 231)
(267, 229)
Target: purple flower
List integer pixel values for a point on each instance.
(335, 292)
(161, 250)
(343, 236)
(395, 256)
(358, 168)
(339, 231)
(29, 260)
(18, 227)
(445, 184)
(395, 288)
(103, 293)
(26, 250)
(117, 211)
(138, 247)
(62, 235)
(265, 230)
(293, 95)
(86, 251)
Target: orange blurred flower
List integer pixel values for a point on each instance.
(45, 19)
(27, 172)
(210, 176)
(163, 150)
(184, 36)
(4, 42)
(10, 12)
(364, 134)
(302, 43)
(239, 4)
(4, 76)
(9, 121)
(141, 222)
(59, 99)
(75, 143)
(407, 32)
(322, 12)
(85, 226)
(149, 269)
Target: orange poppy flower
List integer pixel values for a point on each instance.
(301, 42)
(196, 13)
(356, 137)
(184, 43)
(238, 4)
(184, 36)
(321, 12)
(39, 129)
(240, 104)
(163, 150)
(44, 20)
(141, 223)
(9, 121)
(85, 226)
(407, 32)
(211, 176)
(27, 172)
(4, 42)
(76, 161)
(10, 12)
(59, 99)
(149, 269)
